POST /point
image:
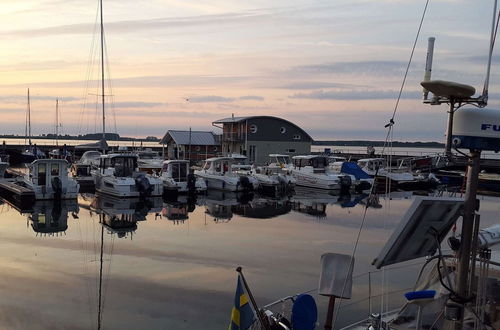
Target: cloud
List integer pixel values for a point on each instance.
(252, 97)
(356, 95)
(209, 99)
(23, 98)
(138, 104)
(385, 68)
(316, 85)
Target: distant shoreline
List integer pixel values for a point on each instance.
(95, 136)
(366, 143)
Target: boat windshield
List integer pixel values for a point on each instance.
(179, 172)
(283, 160)
(124, 166)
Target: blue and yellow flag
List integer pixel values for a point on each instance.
(242, 314)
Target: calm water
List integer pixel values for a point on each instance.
(170, 264)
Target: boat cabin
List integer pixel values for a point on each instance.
(43, 171)
(279, 160)
(372, 164)
(124, 165)
(218, 165)
(176, 169)
(317, 163)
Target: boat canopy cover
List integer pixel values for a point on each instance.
(354, 169)
(304, 313)
(99, 145)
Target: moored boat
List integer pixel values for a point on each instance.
(49, 179)
(119, 176)
(218, 174)
(177, 177)
(311, 171)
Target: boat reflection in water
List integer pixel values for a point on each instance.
(219, 204)
(264, 208)
(120, 215)
(50, 218)
(177, 209)
(315, 201)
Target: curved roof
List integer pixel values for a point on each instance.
(240, 119)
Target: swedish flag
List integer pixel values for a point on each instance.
(242, 315)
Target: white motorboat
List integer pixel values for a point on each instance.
(49, 179)
(273, 179)
(399, 178)
(88, 161)
(119, 176)
(218, 174)
(149, 161)
(311, 171)
(372, 166)
(176, 177)
(275, 176)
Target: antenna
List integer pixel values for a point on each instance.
(428, 63)
(484, 96)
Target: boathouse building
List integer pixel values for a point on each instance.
(191, 145)
(258, 136)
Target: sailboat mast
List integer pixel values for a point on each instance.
(57, 121)
(102, 83)
(29, 118)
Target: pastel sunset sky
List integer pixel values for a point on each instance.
(332, 67)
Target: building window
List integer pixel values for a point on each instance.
(290, 151)
(253, 128)
(296, 137)
(282, 130)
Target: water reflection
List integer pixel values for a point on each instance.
(263, 208)
(219, 204)
(177, 209)
(314, 202)
(120, 215)
(50, 218)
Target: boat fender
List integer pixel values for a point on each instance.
(304, 313)
(56, 187)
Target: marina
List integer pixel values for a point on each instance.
(251, 186)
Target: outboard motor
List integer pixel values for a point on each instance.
(143, 185)
(345, 184)
(56, 187)
(245, 183)
(191, 183)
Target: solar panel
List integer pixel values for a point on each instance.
(415, 235)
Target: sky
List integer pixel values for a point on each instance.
(332, 67)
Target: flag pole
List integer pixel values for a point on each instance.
(262, 319)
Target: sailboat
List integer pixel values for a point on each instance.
(118, 174)
(59, 153)
(31, 152)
